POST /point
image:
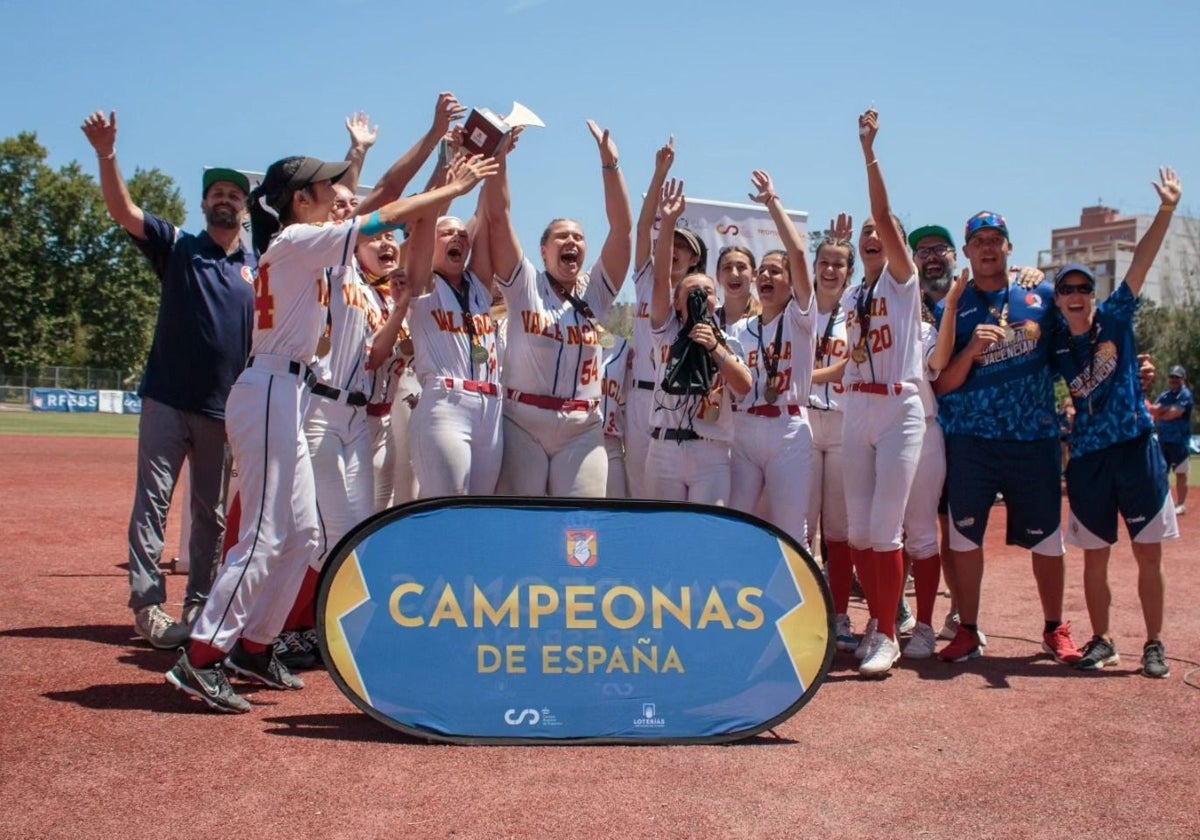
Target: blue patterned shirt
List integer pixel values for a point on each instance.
(1178, 430)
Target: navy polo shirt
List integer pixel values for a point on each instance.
(205, 318)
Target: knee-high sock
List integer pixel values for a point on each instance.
(841, 574)
(304, 611)
(889, 586)
(860, 558)
(927, 575)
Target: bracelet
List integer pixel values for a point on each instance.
(723, 356)
(616, 165)
(772, 197)
(1169, 208)
(108, 156)
(872, 162)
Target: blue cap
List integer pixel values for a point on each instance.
(1074, 268)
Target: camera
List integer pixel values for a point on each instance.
(697, 308)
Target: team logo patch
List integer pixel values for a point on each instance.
(582, 549)
(248, 275)
(1033, 301)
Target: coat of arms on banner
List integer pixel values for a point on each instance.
(582, 548)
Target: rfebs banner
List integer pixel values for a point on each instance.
(492, 620)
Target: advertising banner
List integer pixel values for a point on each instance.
(573, 620)
(111, 402)
(62, 399)
(720, 224)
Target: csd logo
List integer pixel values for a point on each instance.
(728, 230)
(530, 716)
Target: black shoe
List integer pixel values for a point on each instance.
(209, 684)
(1154, 660)
(262, 667)
(1097, 654)
(293, 651)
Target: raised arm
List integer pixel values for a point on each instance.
(671, 207)
(1170, 190)
(362, 137)
(502, 237)
(405, 210)
(384, 339)
(802, 288)
(943, 348)
(663, 159)
(618, 247)
(392, 184)
(101, 132)
(895, 249)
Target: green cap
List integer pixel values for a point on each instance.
(929, 230)
(215, 174)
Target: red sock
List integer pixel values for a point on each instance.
(860, 559)
(304, 611)
(253, 647)
(202, 655)
(927, 575)
(889, 586)
(233, 521)
(841, 574)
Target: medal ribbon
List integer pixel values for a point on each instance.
(464, 303)
(771, 360)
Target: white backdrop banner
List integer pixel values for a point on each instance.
(720, 224)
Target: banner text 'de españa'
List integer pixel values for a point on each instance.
(619, 607)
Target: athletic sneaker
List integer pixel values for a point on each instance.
(159, 629)
(1154, 660)
(1097, 654)
(884, 654)
(949, 626)
(922, 643)
(1180, 510)
(190, 613)
(262, 667)
(209, 684)
(965, 646)
(314, 644)
(1059, 645)
(844, 632)
(863, 650)
(905, 620)
(293, 651)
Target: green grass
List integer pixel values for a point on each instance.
(53, 424)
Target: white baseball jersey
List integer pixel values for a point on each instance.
(383, 378)
(442, 341)
(643, 340)
(831, 395)
(893, 340)
(792, 332)
(292, 290)
(710, 416)
(615, 367)
(929, 336)
(551, 348)
(355, 313)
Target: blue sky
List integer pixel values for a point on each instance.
(1030, 109)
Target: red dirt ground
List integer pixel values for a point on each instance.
(97, 745)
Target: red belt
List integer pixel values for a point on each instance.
(774, 411)
(378, 409)
(884, 389)
(488, 389)
(552, 403)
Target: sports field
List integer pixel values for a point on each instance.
(1011, 745)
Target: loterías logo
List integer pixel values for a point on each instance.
(582, 548)
(728, 230)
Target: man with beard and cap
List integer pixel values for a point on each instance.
(201, 341)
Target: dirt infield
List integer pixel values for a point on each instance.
(96, 745)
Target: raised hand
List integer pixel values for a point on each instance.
(609, 157)
(362, 134)
(868, 127)
(1171, 189)
(101, 132)
(1146, 371)
(1029, 277)
(841, 229)
(664, 158)
(954, 293)
(673, 204)
(766, 189)
(465, 173)
(447, 111)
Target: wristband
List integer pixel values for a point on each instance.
(110, 156)
(872, 162)
(374, 225)
(616, 165)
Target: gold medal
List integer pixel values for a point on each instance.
(1010, 335)
(406, 347)
(770, 395)
(859, 354)
(479, 354)
(607, 341)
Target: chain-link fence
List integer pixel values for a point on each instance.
(16, 383)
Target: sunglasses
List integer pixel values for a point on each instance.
(1068, 289)
(987, 220)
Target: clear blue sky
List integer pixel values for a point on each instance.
(1030, 109)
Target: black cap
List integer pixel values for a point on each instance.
(296, 173)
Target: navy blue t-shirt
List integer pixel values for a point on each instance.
(1101, 371)
(205, 318)
(1010, 394)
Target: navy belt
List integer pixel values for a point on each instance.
(316, 386)
(643, 385)
(659, 433)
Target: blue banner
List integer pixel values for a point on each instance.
(62, 399)
(131, 403)
(521, 620)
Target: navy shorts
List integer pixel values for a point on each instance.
(1174, 453)
(1028, 473)
(1129, 478)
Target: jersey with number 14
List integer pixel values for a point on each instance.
(292, 291)
(893, 338)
